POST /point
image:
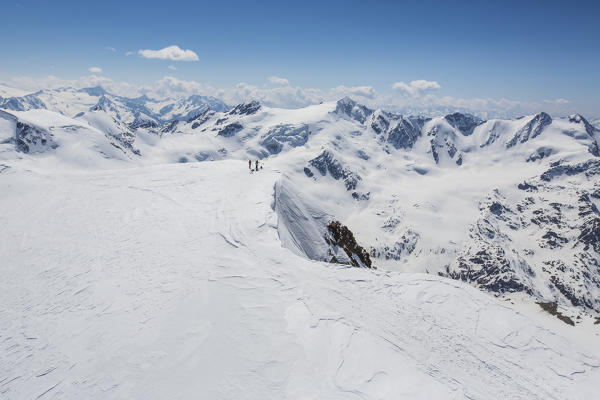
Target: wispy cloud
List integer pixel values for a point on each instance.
(129, 53)
(95, 70)
(362, 91)
(109, 48)
(557, 101)
(173, 53)
(278, 81)
(172, 68)
(416, 88)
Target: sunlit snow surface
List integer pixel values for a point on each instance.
(170, 282)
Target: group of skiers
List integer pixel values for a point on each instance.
(255, 168)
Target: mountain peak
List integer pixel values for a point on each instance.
(246, 108)
(465, 123)
(352, 109)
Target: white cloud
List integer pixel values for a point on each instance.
(173, 53)
(557, 101)
(172, 68)
(362, 91)
(129, 53)
(95, 70)
(279, 81)
(109, 48)
(416, 88)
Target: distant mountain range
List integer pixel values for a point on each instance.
(71, 102)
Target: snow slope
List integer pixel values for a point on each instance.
(171, 281)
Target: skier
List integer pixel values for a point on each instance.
(250, 165)
(256, 168)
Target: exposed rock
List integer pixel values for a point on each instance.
(201, 119)
(362, 155)
(145, 124)
(352, 109)
(246, 108)
(531, 129)
(31, 138)
(230, 130)
(526, 186)
(381, 122)
(405, 133)
(464, 123)
(540, 153)
(24, 103)
(589, 168)
(170, 127)
(339, 236)
(399, 249)
(279, 135)
(489, 268)
(578, 119)
(326, 163)
(361, 196)
(442, 142)
(551, 308)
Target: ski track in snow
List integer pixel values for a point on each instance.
(171, 282)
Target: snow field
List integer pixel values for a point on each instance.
(171, 281)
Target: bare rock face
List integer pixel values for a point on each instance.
(280, 135)
(532, 129)
(31, 138)
(246, 108)
(201, 119)
(396, 130)
(340, 237)
(464, 123)
(588, 168)
(353, 110)
(443, 142)
(402, 247)
(230, 130)
(326, 163)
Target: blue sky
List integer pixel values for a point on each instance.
(530, 52)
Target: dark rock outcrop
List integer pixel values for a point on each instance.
(589, 168)
(464, 123)
(31, 138)
(326, 163)
(339, 236)
(531, 129)
(230, 130)
(352, 109)
(246, 108)
(279, 135)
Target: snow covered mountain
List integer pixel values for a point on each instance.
(71, 102)
(510, 207)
